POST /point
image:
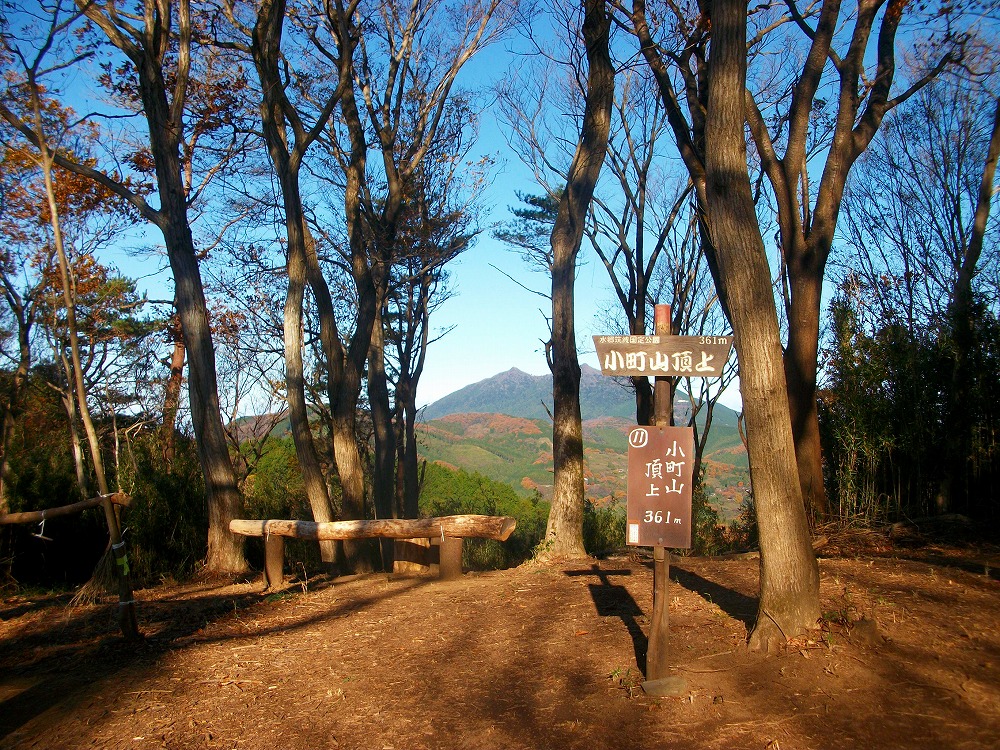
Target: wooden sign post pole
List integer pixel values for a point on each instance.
(656, 652)
(661, 457)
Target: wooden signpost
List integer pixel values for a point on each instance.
(661, 461)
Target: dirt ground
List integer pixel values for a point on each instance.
(908, 656)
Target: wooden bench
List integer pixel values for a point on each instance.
(447, 531)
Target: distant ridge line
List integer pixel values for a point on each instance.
(518, 394)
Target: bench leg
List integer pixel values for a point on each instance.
(451, 559)
(274, 561)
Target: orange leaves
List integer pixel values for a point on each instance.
(894, 10)
(25, 202)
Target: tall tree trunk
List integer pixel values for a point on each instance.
(77, 390)
(298, 409)
(564, 531)
(383, 479)
(172, 392)
(411, 461)
(76, 445)
(800, 376)
(346, 386)
(406, 393)
(74, 374)
(644, 400)
(225, 550)
(286, 151)
(146, 47)
(399, 436)
(789, 599)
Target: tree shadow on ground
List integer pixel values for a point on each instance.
(72, 653)
(968, 564)
(612, 600)
(737, 605)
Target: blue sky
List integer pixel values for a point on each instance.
(499, 325)
(495, 323)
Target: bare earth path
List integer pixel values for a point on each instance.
(537, 657)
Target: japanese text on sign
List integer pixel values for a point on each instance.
(694, 356)
(658, 362)
(660, 473)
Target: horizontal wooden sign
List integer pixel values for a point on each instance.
(688, 356)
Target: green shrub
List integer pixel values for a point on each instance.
(448, 492)
(603, 528)
(742, 533)
(708, 535)
(166, 526)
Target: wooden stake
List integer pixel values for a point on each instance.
(274, 561)
(126, 601)
(657, 654)
(450, 561)
(659, 627)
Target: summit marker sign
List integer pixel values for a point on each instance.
(661, 456)
(667, 356)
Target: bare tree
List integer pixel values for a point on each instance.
(916, 217)
(793, 117)
(288, 137)
(439, 224)
(158, 43)
(789, 601)
(676, 51)
(564, 530)
(647, 236)
(403, 74)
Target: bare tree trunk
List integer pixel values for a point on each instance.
(789, 599)
(76, 445)
(564, 531)
(298, 410)
(383, 478)
(399, 437)
(411, 465)
(76, 391)
(147, 46)
(346, 386)
(800, 376)
(172, 392)
(286, 149)
(644, 400)
(225, 550)
(74, 372)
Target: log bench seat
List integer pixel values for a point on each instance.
(444, 532)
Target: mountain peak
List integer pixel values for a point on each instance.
(520, 394)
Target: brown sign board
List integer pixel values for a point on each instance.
(660, 479)
(685, 356)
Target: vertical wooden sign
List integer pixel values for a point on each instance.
(660, 481)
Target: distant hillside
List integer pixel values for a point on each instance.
(519, 394)
(500, 428)
(518, 452)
